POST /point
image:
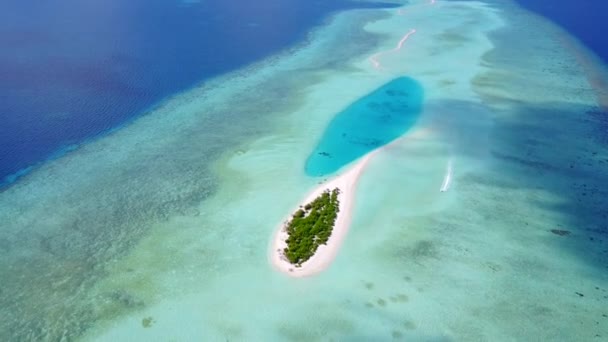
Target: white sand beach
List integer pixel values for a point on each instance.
(325, 254)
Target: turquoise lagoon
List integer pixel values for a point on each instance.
(367, 124)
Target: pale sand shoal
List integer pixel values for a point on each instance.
(347, 183)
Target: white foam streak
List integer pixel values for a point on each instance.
(447, 180)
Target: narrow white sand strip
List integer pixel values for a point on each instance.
(347, 183)
(375, 58)
(447, 180)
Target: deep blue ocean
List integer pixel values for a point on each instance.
(71, 70)
(585, 19)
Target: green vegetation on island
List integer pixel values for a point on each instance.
(311, 226)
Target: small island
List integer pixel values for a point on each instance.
(311, 226)
(309, 238)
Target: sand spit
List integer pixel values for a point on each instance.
(347, 183)
(375, 58)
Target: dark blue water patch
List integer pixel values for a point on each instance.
(369, 123)
(585, 19)
(71, 70)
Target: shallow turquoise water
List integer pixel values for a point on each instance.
(187, 199)
(371, 122)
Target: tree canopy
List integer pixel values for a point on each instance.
(311, 226)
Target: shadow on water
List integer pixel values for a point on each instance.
(367, 124)
(555, 153)
(558, 148)
(549, 170)
(530, 217)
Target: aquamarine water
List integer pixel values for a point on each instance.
(160, 230)
(369, 123)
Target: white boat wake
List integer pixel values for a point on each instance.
(447, 180)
